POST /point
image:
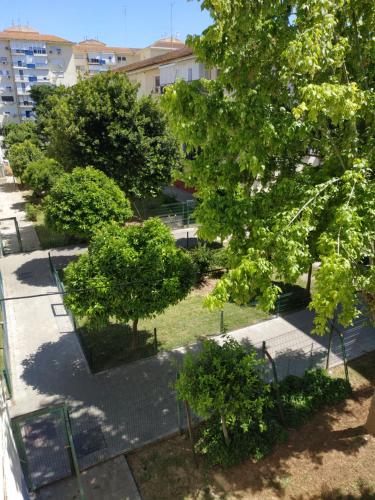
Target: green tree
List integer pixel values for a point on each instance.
(41, 175)
(296, 84)
(128, 274)
(224, 381)
(21, 154)
(15, 133)
(45, 98)
(100, 122)
(80, 202)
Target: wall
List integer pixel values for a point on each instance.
(179, 70)
(12, 482)
(146, 79)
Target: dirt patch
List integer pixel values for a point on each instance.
(207, 286)
(331, 457)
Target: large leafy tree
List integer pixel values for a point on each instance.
(129, 273)
(286, 146)
(100, 122)
(81, 201)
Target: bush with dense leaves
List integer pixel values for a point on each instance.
(82, 201)
(31, 211)
(223, 385)
(15, 133)
(303, 396)
(41, 175)
(255, 443)
(20, 155)
(202, 257)
(207, 259)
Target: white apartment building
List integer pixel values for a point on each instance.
(93, 57)
(156, 73)
(29, 58)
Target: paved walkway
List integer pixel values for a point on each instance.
(12, 204)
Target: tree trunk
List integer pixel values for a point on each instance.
(309, 275)
(134, 336)
(370, 424)
(135, 325)
(225, 430)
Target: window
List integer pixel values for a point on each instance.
(190, 74)
(157, 81)
(7, 98)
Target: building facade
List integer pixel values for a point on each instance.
(156, 73)
(93, 57)
(29, 58)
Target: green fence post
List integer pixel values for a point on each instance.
(179, 419)
(222, 326)
(73, 452)
(18, 234)
(344, 356)
(22, 454)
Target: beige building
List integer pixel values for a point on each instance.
(29, 58)
(155, 73)
(93, 57)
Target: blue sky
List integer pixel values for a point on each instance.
(145, 20)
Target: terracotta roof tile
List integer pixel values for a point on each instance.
(30, 35)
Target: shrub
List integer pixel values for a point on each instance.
(202, 257)
(32, 211)
(303, 396)
(207, 258)
(15, 133)
(254, 443)
(21, 154)
(83, 200)
(41, 175)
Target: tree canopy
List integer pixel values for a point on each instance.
(224, 381)
(41, 175)
(100, 122)
(81, 201)
(20, 154)
(287, 147)
(15, 133)
(128, 273)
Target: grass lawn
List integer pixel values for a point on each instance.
(179, 325)
(328, 458)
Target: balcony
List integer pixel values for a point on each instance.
(26, 104)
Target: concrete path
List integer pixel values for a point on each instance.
(12, 204)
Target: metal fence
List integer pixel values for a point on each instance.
(176, 215)
(136, 405)
(45, 447)
(142, 407)
(10, 236)
(5, 353)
